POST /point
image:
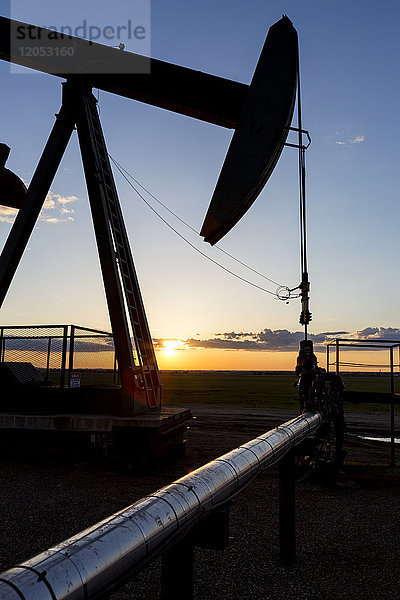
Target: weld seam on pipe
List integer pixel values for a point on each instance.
(171, 507)
(41, 577)
(254, 454)
(232, 468)
(190, 489)
(14, 587)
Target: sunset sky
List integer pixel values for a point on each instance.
(203, 317)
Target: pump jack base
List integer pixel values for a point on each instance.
(140, 442)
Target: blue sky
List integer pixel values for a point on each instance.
(350, 82)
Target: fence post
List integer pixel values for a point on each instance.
(115, 368)
(287, 509)
(337, 357)
(64, 356)
(1, 345)
(392, 432)
(327, 358)
(177, 571)
(71, 354)
(48, 358)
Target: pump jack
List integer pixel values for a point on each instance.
(260, 113)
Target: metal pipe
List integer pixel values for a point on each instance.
(94, 561)
(64, 356)
(115, 369)
(90, 330)
(337, 357)
(1, 344)
(71, 354)
(383, 345)
(392, 429)
(48, 358)
(354, 341)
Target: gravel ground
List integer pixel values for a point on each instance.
(348, 533)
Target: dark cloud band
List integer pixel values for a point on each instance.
(283, 340)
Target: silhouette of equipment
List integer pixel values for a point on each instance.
(12, 188)
(260, 113)
(260, 134)
(322, 392)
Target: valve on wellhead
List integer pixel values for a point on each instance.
(305, 315)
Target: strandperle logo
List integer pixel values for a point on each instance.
(82, 44)
(129, 31)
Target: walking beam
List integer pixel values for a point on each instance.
(179, 89)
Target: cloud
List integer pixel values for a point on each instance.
(234, 336)
(225, 344)
(51, 219)
(56, 202)
(64, 199)
(7, 214)
(40, 345)
(322, 338)
(378, 333)
(49, 204)
(283, 340)
(279, 340)
(54, 209)
(358, 139)
(106, 346)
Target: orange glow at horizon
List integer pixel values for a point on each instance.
(181, 357)
(210, 359)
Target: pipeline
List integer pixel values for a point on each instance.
(96, 560)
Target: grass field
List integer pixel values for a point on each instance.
(240, 388)
(255, 391)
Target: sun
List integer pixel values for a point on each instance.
(170, 347)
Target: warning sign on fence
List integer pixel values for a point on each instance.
(74, 380)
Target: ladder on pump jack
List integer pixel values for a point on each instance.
(146, 373)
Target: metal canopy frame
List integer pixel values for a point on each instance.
(376, 344)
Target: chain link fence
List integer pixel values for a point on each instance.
(63, 355)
